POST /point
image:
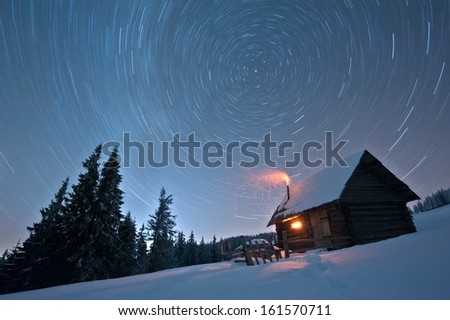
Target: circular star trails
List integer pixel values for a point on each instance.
(78, 73)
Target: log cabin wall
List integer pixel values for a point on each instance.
(298, 238)
(375, 211)
(324, 226)
(340, 236)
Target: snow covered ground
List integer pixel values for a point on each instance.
(413, 266)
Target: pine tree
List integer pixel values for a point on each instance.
(447, 196)
(83, 230)
(215, 256)
(180, 249)
(94, 214)
(2, 272)
(3, 259)
(141, 252)
(127, 248)
(191, 250)
(36, 263)
(161, 230)
(108, 218)
(420, 206)
(42, 248)
(12, 275)
(202, 254)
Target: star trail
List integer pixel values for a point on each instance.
(74, 74)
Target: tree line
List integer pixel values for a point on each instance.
(83, 235)
(435, 200)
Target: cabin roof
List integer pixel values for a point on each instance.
(328, 184)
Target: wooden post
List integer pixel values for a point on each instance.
(253, 252)
(258, 252)
(277, 253)
(229, 249)
(268, 251)
(247, 255)
(285, 245)
(222, 250)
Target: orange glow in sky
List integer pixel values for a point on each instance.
(274, 177)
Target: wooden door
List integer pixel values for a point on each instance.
(321, 228)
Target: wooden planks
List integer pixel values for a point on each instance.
(253, 251)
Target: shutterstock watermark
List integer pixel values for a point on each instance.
(214, 154)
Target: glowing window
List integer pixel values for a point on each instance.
(296, 225)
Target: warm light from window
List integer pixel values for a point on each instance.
(296, 225)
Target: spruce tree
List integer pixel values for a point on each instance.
(3, 259)
(191, 250)
(2, 272)
(37, 263)
(180, 249)
(141, 252)
(108, 218)
(127, 249)
(161, 232)
(13, 278)
(215, 256)
(94, 214)
(202, 254)
(82, 222)
(43, 247)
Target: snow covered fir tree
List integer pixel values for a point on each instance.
(161, 227)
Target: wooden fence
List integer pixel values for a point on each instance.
(254, 251)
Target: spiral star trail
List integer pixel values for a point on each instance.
(74, 74)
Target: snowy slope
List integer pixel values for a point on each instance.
(413, 266)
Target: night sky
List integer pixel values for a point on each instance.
(74, 74)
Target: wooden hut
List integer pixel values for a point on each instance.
(343, 206)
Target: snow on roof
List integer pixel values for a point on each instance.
(324, 186)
